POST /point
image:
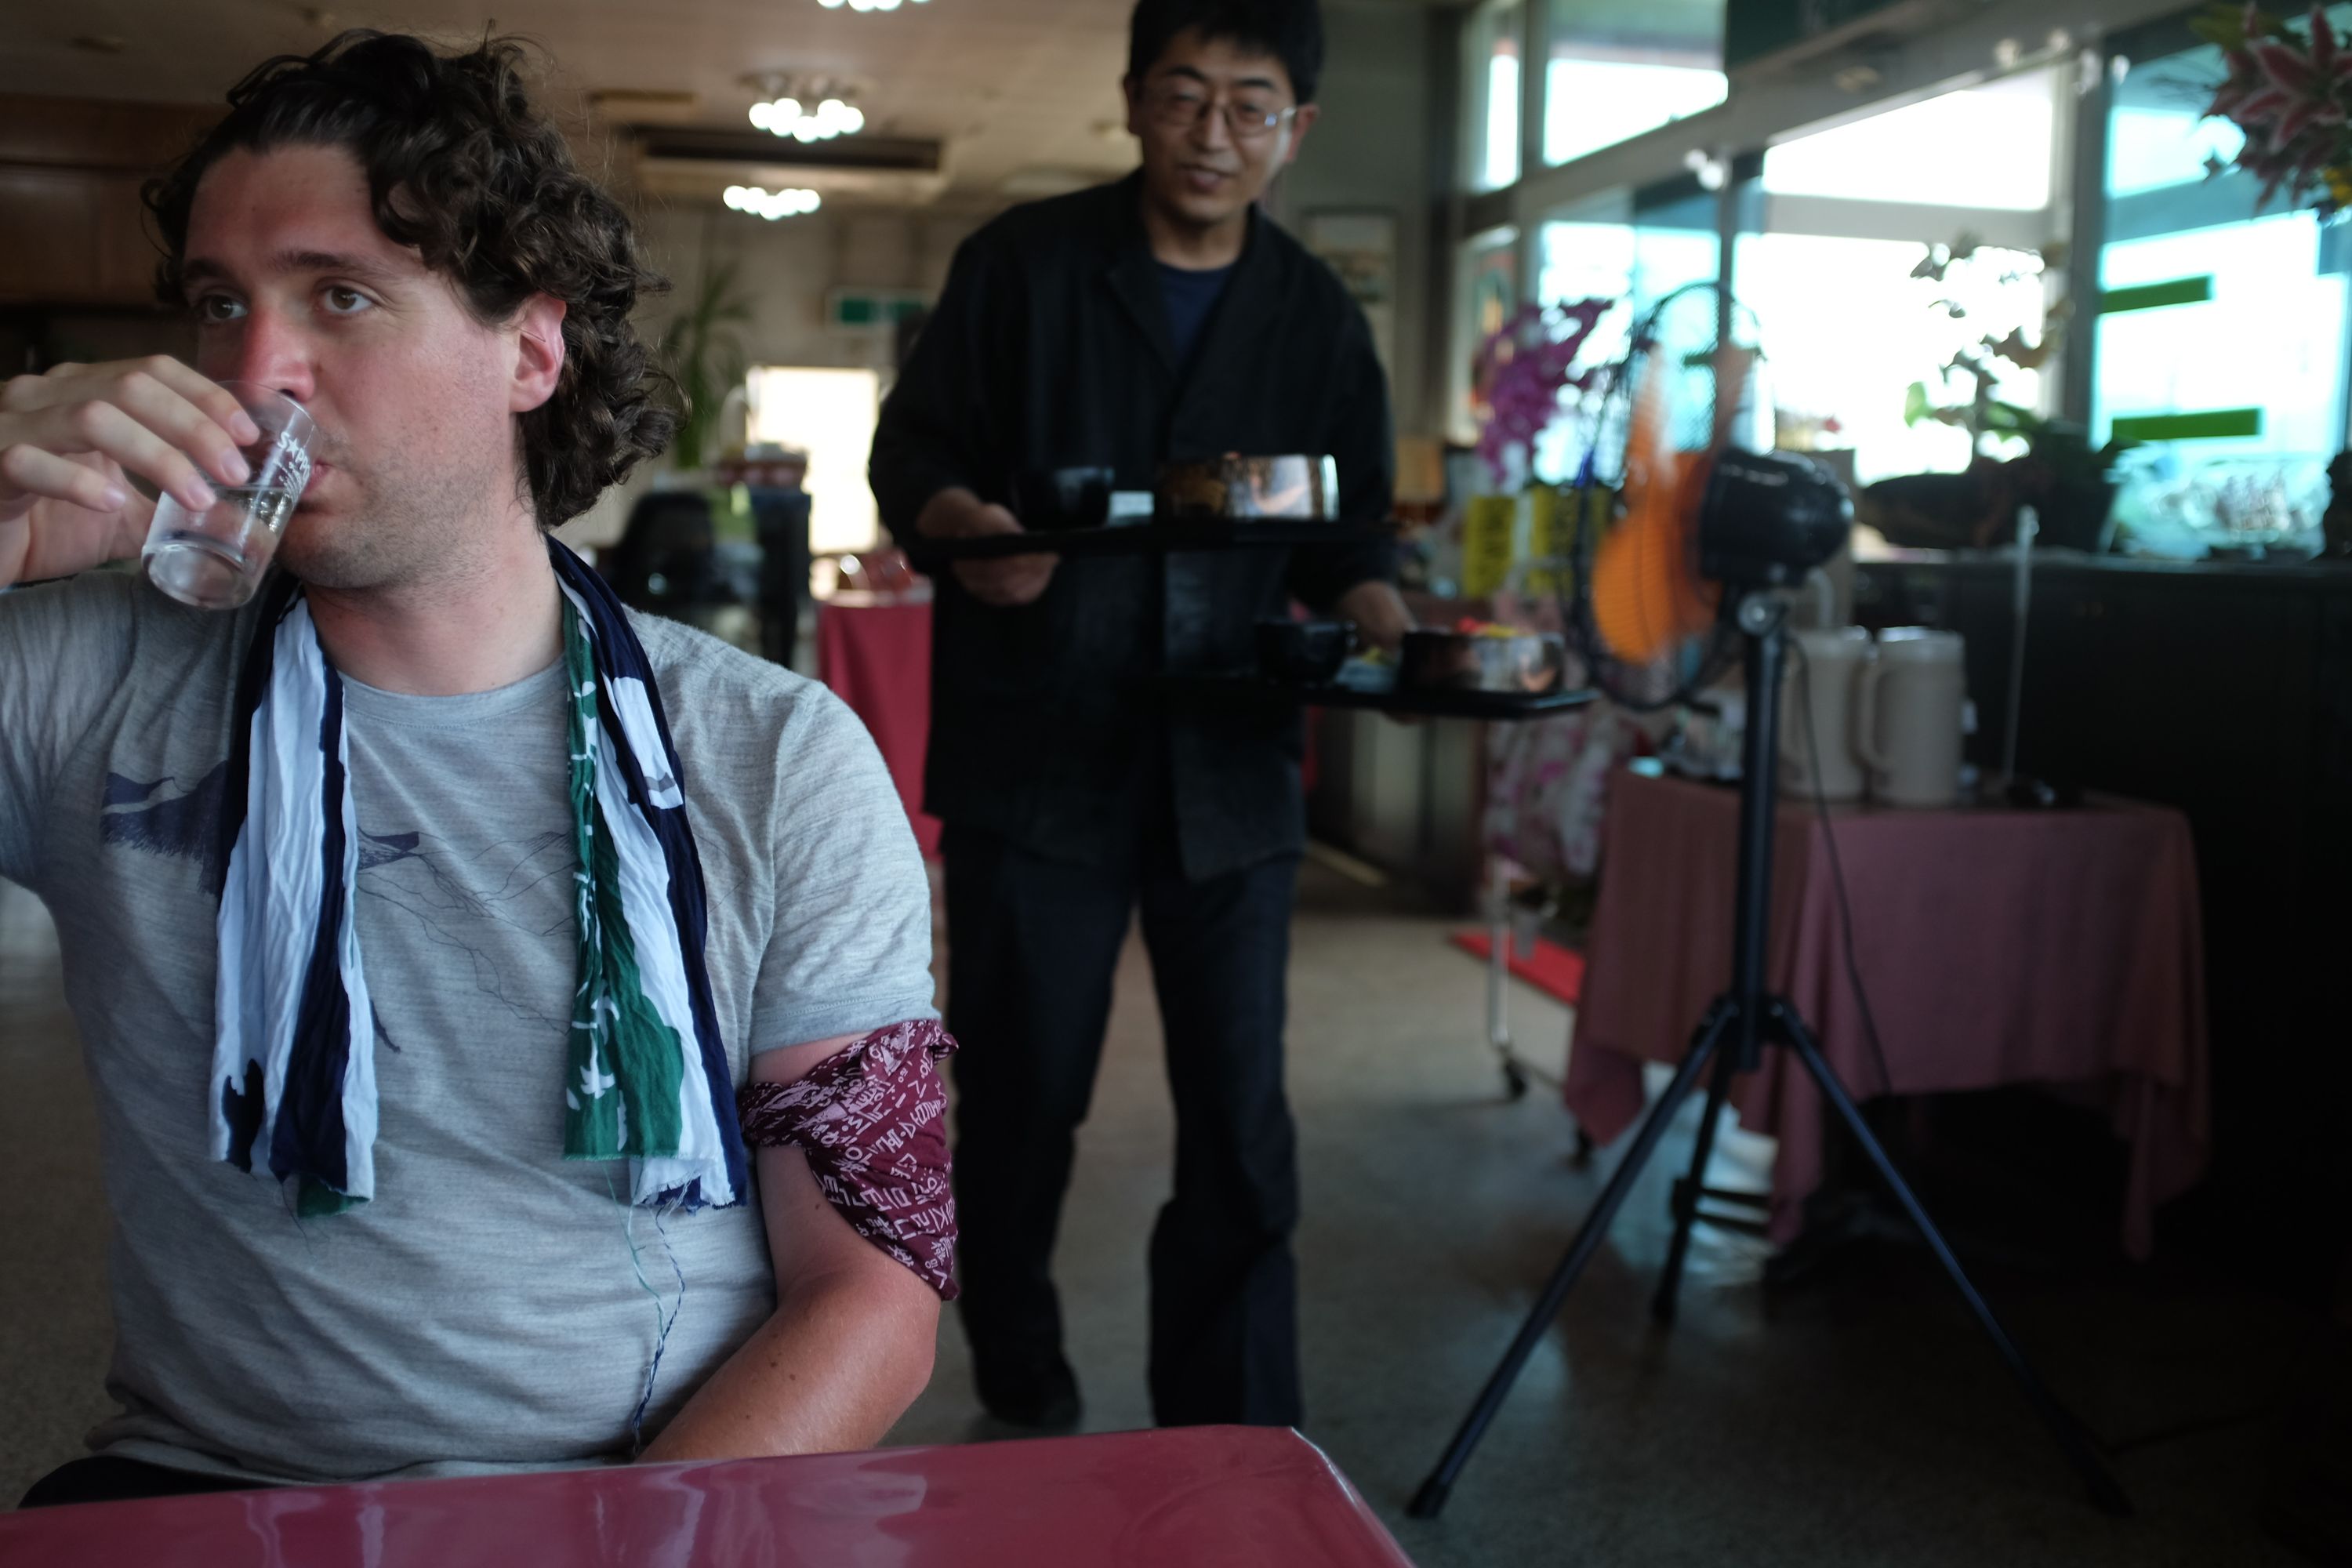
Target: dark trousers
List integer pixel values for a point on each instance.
(105, 1477)
(1032, 944)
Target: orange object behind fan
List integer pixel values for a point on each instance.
(1646, 591)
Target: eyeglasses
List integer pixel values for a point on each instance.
(1181, 105)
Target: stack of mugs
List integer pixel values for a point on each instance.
(1886, 717)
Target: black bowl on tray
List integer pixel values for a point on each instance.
(1531, 663)
(1304, 652)
(1301, 489)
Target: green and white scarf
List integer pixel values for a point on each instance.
(646, 1079)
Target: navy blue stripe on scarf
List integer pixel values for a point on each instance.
(244, 1103)
(309, 1138)
(252, 684)
(623, 655)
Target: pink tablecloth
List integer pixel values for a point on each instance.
(877, 658)
(1997, 947)
(1133, 1500)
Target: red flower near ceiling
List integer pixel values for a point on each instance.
(2292, 95)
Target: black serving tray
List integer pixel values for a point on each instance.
(1430, 702)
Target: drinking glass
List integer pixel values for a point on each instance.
(214, 559)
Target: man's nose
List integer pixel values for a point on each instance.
(272, 352)
(1210, 131)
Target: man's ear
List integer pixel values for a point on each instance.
(539, 353)
(1133, 86)
(1300, 124)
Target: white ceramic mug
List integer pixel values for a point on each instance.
(1825, 681)
(1909, 716)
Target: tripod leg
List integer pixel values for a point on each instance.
(1661, 1307)
(2063, 1426)
(1431, 1499)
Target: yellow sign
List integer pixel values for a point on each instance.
(1490, 543)
(1549, 539)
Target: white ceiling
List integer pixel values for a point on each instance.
(1021, 89)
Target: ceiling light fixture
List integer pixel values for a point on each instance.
(787, 112)
(770, 205)
(864, 4)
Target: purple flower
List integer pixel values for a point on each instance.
(1520, 372)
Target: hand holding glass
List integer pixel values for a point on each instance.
(216, 559)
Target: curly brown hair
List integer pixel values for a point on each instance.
(462, 166)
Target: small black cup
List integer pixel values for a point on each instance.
(1304, 651)
(1047, 499)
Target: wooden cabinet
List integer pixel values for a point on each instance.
(72, 231)
(75, 237)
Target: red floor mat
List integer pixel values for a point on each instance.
(1554, 970)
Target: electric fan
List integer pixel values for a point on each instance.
(1706, 534)
(1700, 516)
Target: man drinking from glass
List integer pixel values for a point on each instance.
(1160, 318)
(509, 1018)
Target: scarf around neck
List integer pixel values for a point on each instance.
(293, 1074)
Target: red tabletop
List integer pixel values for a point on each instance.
(1196, 1495)
(877, 658)
(2058, 947)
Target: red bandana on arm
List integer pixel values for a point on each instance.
(871, 1117)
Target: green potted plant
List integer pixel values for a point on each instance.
(704, 354)
(2050, 465)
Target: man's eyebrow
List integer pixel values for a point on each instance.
(202, 269)
(1193, 73)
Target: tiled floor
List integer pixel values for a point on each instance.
(1858, 1420)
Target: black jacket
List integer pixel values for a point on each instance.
(1050, 349)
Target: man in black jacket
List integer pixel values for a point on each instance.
(1161, 318)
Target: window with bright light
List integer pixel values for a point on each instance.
(1847, 330)
(1988, 147)
(2267, 336)
(829, 415)
(1589, 104)
(1636, 262)
(1492, 95)
(1848, 323)
(1612, 71)
(1634, 253)
(2222, 331)
(2151, 145)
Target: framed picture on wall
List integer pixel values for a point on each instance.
(1361, 245)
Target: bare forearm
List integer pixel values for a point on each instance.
(829, 1372)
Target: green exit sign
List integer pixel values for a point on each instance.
(1754, 28)
(872, 307)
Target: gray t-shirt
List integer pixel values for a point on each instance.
(486, 1308)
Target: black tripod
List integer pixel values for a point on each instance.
(1732, 1035)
